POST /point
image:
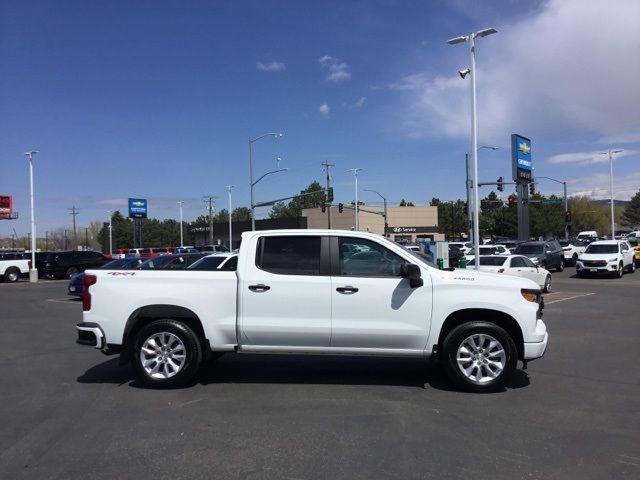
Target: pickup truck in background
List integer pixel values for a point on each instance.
(315, 292)
(12, 270)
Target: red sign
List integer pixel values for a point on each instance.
(6, 205)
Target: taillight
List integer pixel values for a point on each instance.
(86, 296)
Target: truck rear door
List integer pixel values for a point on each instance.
(285, 293)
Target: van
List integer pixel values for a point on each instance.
(588, 236)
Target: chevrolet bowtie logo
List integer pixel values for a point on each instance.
(524, 148)
(137, 204)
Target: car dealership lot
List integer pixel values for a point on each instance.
(68, 410)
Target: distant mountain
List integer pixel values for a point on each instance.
(617, 203)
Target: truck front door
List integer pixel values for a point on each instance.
(285, 293)
(372, 306)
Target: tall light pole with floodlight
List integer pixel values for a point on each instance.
(110, 212)
(181, 204)
(229, 188)
(357, 209)
(474, 133)
(251, 182)
(610, 153)
(33, 271)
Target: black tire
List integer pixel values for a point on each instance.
(71, 271)
(620, 272)
(192, 347)
(455, 340)
(11, 275)
(574, 259)
(632, 267)
(561, 266)
(543, 265)
(547, 284)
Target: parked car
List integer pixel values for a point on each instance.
(516, 265)
(22, 255)
(412, 248)
(76, 282)
(588, 236)
(572, 249)
(213, 248)
(186, 250)
(12, 270)
(217, 261)
(546, 255)
(510, 245)
(464, 247)
(67, 264)
(176, 261)
(296, 291)
(608, 257)
(485, 250)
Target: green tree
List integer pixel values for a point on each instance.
(631, 213)
(297, 204)
(434, 202)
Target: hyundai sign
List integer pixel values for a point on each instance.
(137, 208)
(521, 158)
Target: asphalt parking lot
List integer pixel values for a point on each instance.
(70, 412)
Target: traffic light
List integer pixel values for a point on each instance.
(340, 207)
(567, 216)
(330, 194)
(532, 188)
(323, 206)
(500, 185)
(466, 208)
(512, 200)
(483, 204)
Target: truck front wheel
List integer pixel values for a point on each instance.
(166, 354)
(479, 356)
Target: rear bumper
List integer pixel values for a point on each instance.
(90, 334)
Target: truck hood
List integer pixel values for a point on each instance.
(489, 279)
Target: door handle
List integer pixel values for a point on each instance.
(348, 289)
(259, 288)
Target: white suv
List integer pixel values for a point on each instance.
(572, 249)
(611, 257)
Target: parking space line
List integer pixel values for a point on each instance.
(576, 295)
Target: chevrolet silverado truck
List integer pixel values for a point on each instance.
(315, 292)
(12, 270)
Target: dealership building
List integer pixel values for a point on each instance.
(404, 224)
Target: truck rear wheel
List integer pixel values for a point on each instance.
(166, 354)
(11, 275)
(479, 356)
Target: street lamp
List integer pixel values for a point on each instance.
(474, 140)
(110, 212)
(357, 209)
(181, 203)
(229, 188)
(610, 153)
(33, 271)
(386, 224)
(251, 182)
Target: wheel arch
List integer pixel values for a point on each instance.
(501, 319)
(149, 313)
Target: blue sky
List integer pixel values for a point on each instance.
(157, 99)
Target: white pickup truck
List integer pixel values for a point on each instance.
(315, 292)
(12, 270)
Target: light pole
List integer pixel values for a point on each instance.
(181, 203)
(474, 133)
(610, 153)
(229, 188)
(386, 220)
(110, 212)
(33, 272)
(251, 182)
(357, 209)
(468, 188)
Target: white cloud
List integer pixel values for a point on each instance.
(566, 68)
(597, 186)
(597, 156)
(324, 110)
(271, 66)
(362, 101)
(336, 70)
(114, 202)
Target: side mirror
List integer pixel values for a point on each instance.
(412, 272)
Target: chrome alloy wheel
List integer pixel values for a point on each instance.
(481, 358)
(162, 355)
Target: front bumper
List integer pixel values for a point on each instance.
(90, 334)
(537, 349)
(608, 269)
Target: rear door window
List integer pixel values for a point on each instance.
(289, 255)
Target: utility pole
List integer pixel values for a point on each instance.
(86, 238)
(210, 200)
(229, 188)
(327, 166)
(357, 208)
(181, 203)
(74, 212)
